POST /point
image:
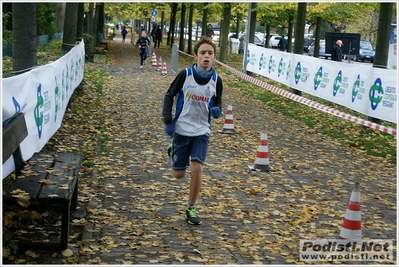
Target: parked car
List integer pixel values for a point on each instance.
(366, 52)
(257, 40)
(306, 43)
(322, 49)
(274, 40)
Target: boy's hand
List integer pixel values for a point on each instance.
(216, 112)
(170, 128)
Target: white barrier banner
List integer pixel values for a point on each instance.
(42, 94)
(370, 91)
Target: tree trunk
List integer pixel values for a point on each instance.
(224, 32)
(80, 22)
(299, 32)
(204, 19)
(382, 46)
(267, 40)
(182, 20)
(384, 33)
(317, 37)
(172, 24)
(70, 25)
(253, 23)
(24, 47)
(190, 26)
(90, 20)
(290, 26)
(60, 16)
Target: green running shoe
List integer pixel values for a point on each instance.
(192, 216)
(170, 151)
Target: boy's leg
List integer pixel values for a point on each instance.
(196, 181)
(198, 152)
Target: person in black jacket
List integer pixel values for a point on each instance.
(158, 37)
(143, 43)
(197, 94)
(336, 53)
(282, 44)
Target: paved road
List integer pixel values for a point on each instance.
(137, 216)
(136, 213)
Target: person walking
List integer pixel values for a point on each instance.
(198, 94)
(209, 32)
(143, 43)
(282, 44)
(124, 33)
(336, 54)
(158, 37)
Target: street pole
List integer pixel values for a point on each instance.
(247, 38)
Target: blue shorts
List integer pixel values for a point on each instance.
(189, 147)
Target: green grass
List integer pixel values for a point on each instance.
(371, 141)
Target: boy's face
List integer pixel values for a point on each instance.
(205, 57)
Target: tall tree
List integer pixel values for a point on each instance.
(384, 32)
(171, 34)
(182, 27)
(382, 47)
(70, 25)
(299, 32)
(90, 19)
(190, 27)
(80, 22)
(224, 32)
(60, 16)
(252, 27)
(204, 19)
(24, 37)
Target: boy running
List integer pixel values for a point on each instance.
(198, 93)
(143, 43)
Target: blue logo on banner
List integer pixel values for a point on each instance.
(375, 94)
(317, 78)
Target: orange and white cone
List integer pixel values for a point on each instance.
(228, 126)
(164, 69)
(262, 156)
(154, 59)
(160, 64)
(352, 226)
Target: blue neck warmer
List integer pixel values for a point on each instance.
(203, 74)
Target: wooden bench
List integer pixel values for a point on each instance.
(104, 43)
(47, 180)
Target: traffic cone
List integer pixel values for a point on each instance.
(228, 126)
(164, 69)
(154, 59)
(262, 156)
(352, 227)
(160, 64)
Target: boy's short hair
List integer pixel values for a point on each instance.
(204, 40)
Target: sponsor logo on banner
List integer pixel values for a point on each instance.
(337, 83)
(297, 74)
(271, 64)
(281, 67)
(376, 93)
(261, 61)
(318, 77)
(288, 71)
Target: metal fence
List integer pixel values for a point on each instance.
(41, 40)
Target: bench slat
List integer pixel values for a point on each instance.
(31, 183)
(65, 174)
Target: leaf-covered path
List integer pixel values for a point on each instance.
(135, 208)
(137, 214)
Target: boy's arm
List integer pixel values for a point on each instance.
(219, 90)
(173, 90)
